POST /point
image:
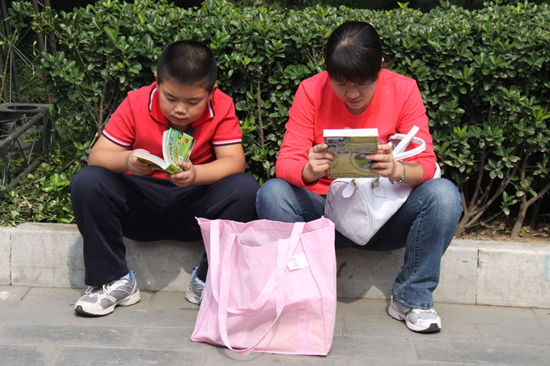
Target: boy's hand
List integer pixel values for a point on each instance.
(318, 162)
(185, 178)
(138, 167)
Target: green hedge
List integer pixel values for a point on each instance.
(483, 76)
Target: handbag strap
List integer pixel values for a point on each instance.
(284, 252)
(399, 152)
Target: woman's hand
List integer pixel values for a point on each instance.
(318, 162)
(384, 164)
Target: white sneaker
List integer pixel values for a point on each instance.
(195, 289)
(417, 320)
(102, 300)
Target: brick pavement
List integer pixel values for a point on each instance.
(38, 327)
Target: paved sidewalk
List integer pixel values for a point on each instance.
(38, 327)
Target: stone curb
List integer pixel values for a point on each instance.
(472, 272)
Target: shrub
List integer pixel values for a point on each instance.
(483, 75)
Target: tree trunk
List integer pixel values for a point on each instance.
(519, 220)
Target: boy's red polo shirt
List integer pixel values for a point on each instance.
(138, 123)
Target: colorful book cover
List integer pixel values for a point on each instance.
(176, 147)
(349, 147)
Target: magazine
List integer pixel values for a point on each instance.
(176, 147)
(349, 147)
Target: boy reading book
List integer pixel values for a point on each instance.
(118, 196)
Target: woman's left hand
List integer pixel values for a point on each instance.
(384, 164)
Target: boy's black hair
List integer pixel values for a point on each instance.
(354, 53)
(188, 63)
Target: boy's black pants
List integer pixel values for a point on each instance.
(109, 206)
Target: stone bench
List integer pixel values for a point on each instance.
(473, 272)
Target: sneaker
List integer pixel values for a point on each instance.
(417, 320)
(195, 289)
(102, 300)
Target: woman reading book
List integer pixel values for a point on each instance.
(356, 91)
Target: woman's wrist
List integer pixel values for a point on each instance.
(308, 175)
(398, 179)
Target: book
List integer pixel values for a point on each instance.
(176, 147)
(349, 147)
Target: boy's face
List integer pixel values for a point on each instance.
(182, 104)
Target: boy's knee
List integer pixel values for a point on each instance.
(86, 180)
(245, 185)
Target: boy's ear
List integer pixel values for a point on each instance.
(211, 95)
(156, 79)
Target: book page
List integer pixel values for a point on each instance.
(151, 159)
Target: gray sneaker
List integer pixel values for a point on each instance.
(102, 300)
(417, 320)
(195, 289)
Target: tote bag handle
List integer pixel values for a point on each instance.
(216, 261)
(285, 250)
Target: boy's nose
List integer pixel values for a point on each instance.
(180, 108)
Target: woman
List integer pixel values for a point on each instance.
(356, 92)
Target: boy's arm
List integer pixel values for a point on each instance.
(229, 160)
(116, 158)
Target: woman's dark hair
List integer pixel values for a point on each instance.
(354, 53)
(188, 63)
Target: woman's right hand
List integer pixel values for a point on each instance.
(318, 162)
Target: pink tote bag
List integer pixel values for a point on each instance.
(271, 287)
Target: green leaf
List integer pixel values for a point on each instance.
(112, 34)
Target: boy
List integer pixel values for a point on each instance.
(117, 195)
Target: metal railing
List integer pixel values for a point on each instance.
(19, 122)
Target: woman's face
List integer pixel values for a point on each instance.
(356, 96)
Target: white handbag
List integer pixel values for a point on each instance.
(360, 207)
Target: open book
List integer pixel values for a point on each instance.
(176, 147)
(349, 147)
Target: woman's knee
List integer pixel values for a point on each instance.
(443, 196)
(271, 196)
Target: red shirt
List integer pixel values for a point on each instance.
(395, 108)
(138, 123)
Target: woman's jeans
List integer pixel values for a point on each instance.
(424, 226)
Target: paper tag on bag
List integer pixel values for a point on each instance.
(298, 261)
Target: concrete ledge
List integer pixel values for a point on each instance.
(473, 272)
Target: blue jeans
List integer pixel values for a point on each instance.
(424, 226)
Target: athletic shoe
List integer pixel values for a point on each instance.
(102, 300)
(195, 289)
(417, 320)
